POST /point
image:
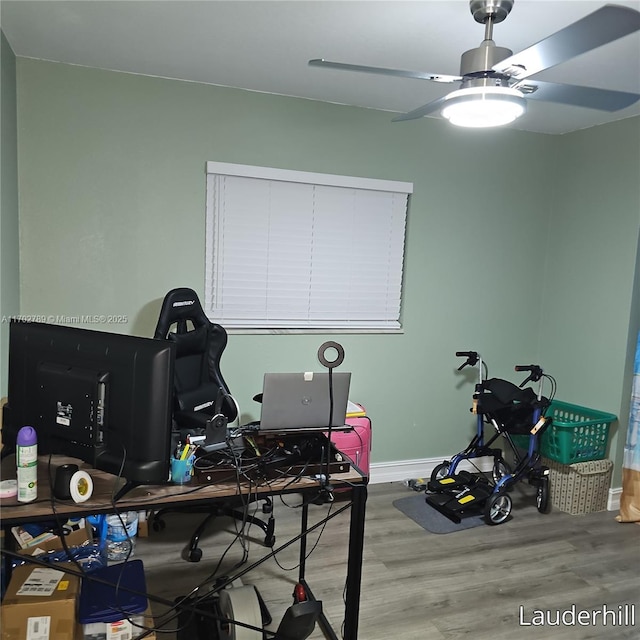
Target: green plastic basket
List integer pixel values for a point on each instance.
(577, 434)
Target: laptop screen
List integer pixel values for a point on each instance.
(295, 401)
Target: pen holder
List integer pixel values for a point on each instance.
(181, 470)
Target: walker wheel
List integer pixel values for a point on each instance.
(441, 471)
(497, 508)
(542, 497)
(500, 470)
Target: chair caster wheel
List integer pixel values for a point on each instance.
(269, 541)
(195, 555)
(158, 525)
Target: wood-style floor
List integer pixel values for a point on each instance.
(488, 582)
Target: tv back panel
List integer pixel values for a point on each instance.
(105, 398)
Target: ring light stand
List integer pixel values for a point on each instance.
(330, 365)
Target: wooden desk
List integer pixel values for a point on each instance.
(155, 497)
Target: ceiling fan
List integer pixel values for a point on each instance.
(494, 80)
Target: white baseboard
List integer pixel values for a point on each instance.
(613, 503)
(400, 470)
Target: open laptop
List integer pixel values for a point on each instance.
(299, 401)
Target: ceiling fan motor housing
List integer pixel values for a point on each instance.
(480, 61)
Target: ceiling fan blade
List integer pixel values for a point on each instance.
(422, 111)
(420, 75)
(598, 28)
(590, 97)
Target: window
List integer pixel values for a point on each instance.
(298, 250)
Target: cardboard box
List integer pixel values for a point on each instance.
(40, 604)
(143, 523)
(122, 629)
(39, 545)
(581, 487)
(73, 539)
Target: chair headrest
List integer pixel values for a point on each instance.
(178, 306)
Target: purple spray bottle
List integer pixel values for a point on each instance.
(27, 464)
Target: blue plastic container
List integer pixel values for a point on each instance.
(101, 602)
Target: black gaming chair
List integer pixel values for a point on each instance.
(202, 402)
(203, 405)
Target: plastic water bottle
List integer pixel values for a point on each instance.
(121, 540)
(27, 464)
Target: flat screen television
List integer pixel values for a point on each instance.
(105, 398)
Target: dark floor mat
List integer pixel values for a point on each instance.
(416, 508)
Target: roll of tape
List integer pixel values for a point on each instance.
(240, 604)
(81, 486)
(327, 346)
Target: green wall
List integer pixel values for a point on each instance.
(590, 317)
(112, 195)
(9, 236)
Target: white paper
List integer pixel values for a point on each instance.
(38, 628)
(41, 582)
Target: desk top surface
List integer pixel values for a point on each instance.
(105, 486)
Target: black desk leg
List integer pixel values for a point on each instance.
(304, 523)
(354, 565)
(354, 562)
(323, 623)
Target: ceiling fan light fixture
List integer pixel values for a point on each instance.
(486, 106)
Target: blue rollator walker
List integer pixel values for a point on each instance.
(512, 411)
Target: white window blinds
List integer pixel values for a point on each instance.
(290, 249)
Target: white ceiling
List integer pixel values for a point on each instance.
(264, 46)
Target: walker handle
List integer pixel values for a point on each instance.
(535, 372)
(471, 356)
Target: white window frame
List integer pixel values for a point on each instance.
(303, 196)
